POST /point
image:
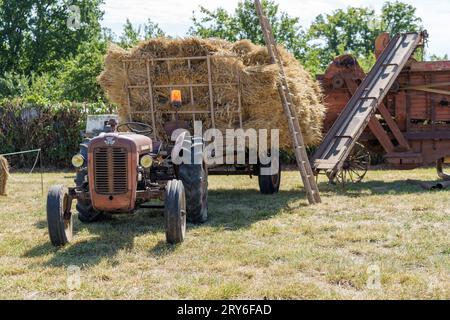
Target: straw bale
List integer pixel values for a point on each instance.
(242, 61)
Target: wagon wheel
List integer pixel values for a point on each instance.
(355, 166)
(443, 169)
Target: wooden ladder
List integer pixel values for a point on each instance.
(306, 173)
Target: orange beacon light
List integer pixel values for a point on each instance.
(175, 98)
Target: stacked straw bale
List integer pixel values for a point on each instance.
(4, 174)
(243, 61)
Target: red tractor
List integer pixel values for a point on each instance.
(122, 169)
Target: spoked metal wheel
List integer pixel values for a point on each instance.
(443, 168)
(355, 166)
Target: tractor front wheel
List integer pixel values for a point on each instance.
(59, 217)
(175, 212)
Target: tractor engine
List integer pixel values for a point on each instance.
(113, 161)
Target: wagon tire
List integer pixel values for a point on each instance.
(195, 181)
(175, 212)
(269, 184)
(59, 218)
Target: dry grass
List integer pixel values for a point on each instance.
(253, 246)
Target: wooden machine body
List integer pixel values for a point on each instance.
(412, 125)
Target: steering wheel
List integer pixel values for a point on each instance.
(135, 127)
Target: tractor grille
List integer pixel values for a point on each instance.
(110, 170)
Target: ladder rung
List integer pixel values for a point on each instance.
(368, 98)
(389, 65)
(286, 97)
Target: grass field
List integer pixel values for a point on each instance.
(381, 239)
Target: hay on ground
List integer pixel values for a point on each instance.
(242, 61)
(4, 174)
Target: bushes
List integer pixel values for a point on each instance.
(56, 128)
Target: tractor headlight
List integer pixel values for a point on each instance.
(77, 160)
(146, 161)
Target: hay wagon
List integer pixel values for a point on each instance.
(411, 126)
(199, 103)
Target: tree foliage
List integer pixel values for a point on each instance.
(435, 57)
(44, 60)
(399, 17)
(354, 30)
(243, 23)
(131, 34)
(34, 34)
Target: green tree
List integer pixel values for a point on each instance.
(243, 23)
(152, 30)
(354, 30)
(435, 57)
(351, 30)
(78, 79)
(399, 17)
(13, 85)
(35, 35)
(131, 34)
(14, 26)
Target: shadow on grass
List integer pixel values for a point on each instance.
(109, 237)
(376, 187)
(236, 209)
(228, 209)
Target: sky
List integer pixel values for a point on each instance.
(174, 16)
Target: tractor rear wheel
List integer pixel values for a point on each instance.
(269, 184)
(195, 181)
(175, 212)
(86, 212)
(59, 217)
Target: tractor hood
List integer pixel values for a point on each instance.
(113, 159)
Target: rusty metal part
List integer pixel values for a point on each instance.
(338, 82)
(440, 164)
(430, 88)
(355, 167)
(441, 185)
